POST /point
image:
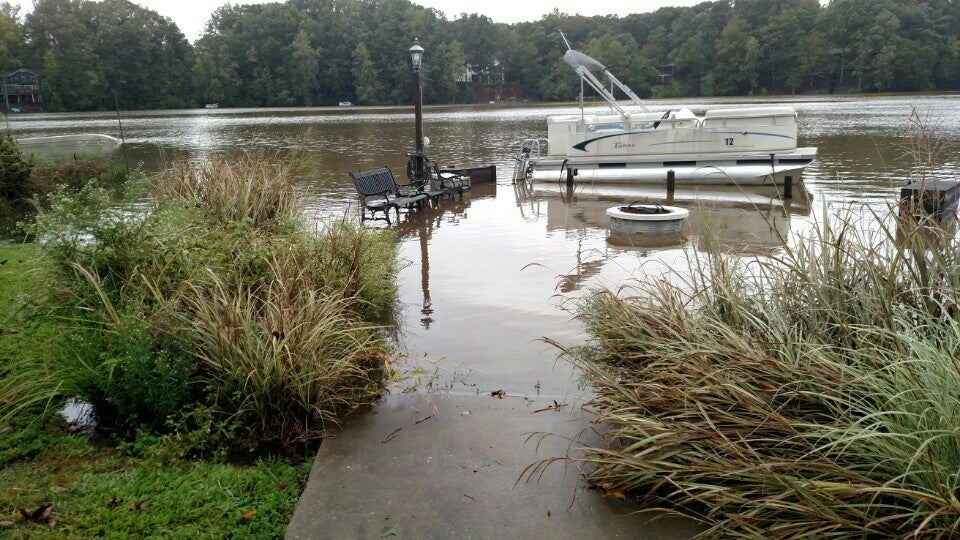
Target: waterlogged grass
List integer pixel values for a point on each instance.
(97, 491)
(808, 394)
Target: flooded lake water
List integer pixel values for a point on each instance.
(482, 280)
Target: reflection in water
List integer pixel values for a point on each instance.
(424, 222)
(737, 220)
(585, 269)
(427, 310)
(740, 219)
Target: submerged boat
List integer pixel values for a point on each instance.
(743, 146)
(86, 144)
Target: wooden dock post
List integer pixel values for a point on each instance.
(787, 187)
(936, 199)
(671, 184)
(570, 174)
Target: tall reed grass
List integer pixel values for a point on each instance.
(217, 297)
(810, 394)
(251, 188)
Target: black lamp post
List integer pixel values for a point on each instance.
(416, 58)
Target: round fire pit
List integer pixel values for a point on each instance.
(653, 219)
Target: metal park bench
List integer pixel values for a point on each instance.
(379, 192)
(449, 182)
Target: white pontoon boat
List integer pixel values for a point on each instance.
(745, 146)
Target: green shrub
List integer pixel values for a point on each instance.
(74, 174)
(14, 170)
(128, 375)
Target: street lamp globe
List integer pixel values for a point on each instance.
(416, 54)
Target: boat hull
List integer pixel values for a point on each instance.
(741, 169)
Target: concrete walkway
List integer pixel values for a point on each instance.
(451, 466)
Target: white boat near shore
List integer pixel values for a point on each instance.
(742, 146)
(85, 144)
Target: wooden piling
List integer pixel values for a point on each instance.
(671, 184)
(935, 199)
(787, 187)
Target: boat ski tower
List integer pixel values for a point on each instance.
(585, 65)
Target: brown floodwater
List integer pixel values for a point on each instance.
(484, 280)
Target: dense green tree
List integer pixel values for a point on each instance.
(304, 65)
(305, 52)
(365, 76)
(738, 60)
(11, 36)
(446, 64)
(93, 51)
(74, 79)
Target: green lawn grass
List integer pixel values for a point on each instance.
(98, 490)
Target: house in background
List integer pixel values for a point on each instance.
(21, 90)
(486, 86)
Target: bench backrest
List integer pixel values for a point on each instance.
(376, 182)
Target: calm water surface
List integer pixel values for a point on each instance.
(484, 279)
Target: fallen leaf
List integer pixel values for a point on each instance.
(389, 530)
(281, 487)
(498, 394)
(138, 506)
(45, 515)
(617, 495)
(248, 515)
(40, 515)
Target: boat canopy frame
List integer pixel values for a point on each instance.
(584, 65)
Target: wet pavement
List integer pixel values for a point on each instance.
(457, 466)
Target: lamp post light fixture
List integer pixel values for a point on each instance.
(416, 55)
(417, 163)
(416, 60)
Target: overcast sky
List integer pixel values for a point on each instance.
(190, 15)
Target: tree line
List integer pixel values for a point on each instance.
(319, 52)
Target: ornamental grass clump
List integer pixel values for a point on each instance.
(286, 356)
(217, 301)
(250, 189)
(813, 393)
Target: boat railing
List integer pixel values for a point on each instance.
(530, 152)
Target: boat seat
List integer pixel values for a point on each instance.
(379, 192)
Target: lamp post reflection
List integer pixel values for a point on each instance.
(427, 309)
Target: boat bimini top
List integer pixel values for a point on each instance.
(585, 65)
